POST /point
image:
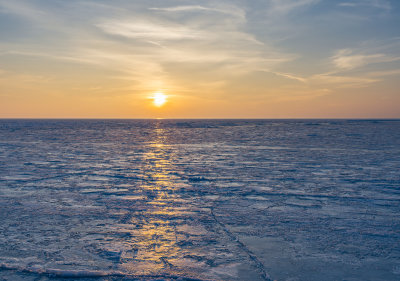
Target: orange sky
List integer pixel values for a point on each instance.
(276, 59)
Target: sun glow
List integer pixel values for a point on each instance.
(159, 99)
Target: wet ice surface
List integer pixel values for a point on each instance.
(204, 200)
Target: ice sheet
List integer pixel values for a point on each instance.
(201, 199)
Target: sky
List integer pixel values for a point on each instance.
(211, 59)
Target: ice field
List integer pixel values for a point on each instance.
(200, 200)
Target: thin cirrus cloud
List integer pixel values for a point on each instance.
(148, 30)
(347, 59)
(226, 43)
(212, 45)
(230, 10)
(281, 8)
(343, 81)
(379, 4)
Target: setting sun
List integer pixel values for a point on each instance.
(159, 99)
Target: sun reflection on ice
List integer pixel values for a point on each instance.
(155, 236)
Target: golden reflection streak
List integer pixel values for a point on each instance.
(156, 237)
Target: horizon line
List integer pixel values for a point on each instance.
(207, 118)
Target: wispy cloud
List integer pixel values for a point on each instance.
(279, 7)
(342, 81)
(349, 59)
(149, 30)
(70, 57)
(378, 4)
(218, 41)
(353, 68)
(291, 76)
(346, 59)
(230, 10)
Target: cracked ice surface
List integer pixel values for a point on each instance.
(200, 199)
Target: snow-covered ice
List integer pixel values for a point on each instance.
(200, 199)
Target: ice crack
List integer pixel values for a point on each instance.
(243, 247)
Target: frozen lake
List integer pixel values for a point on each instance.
(200, 199)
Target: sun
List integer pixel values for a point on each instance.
(159, 99)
